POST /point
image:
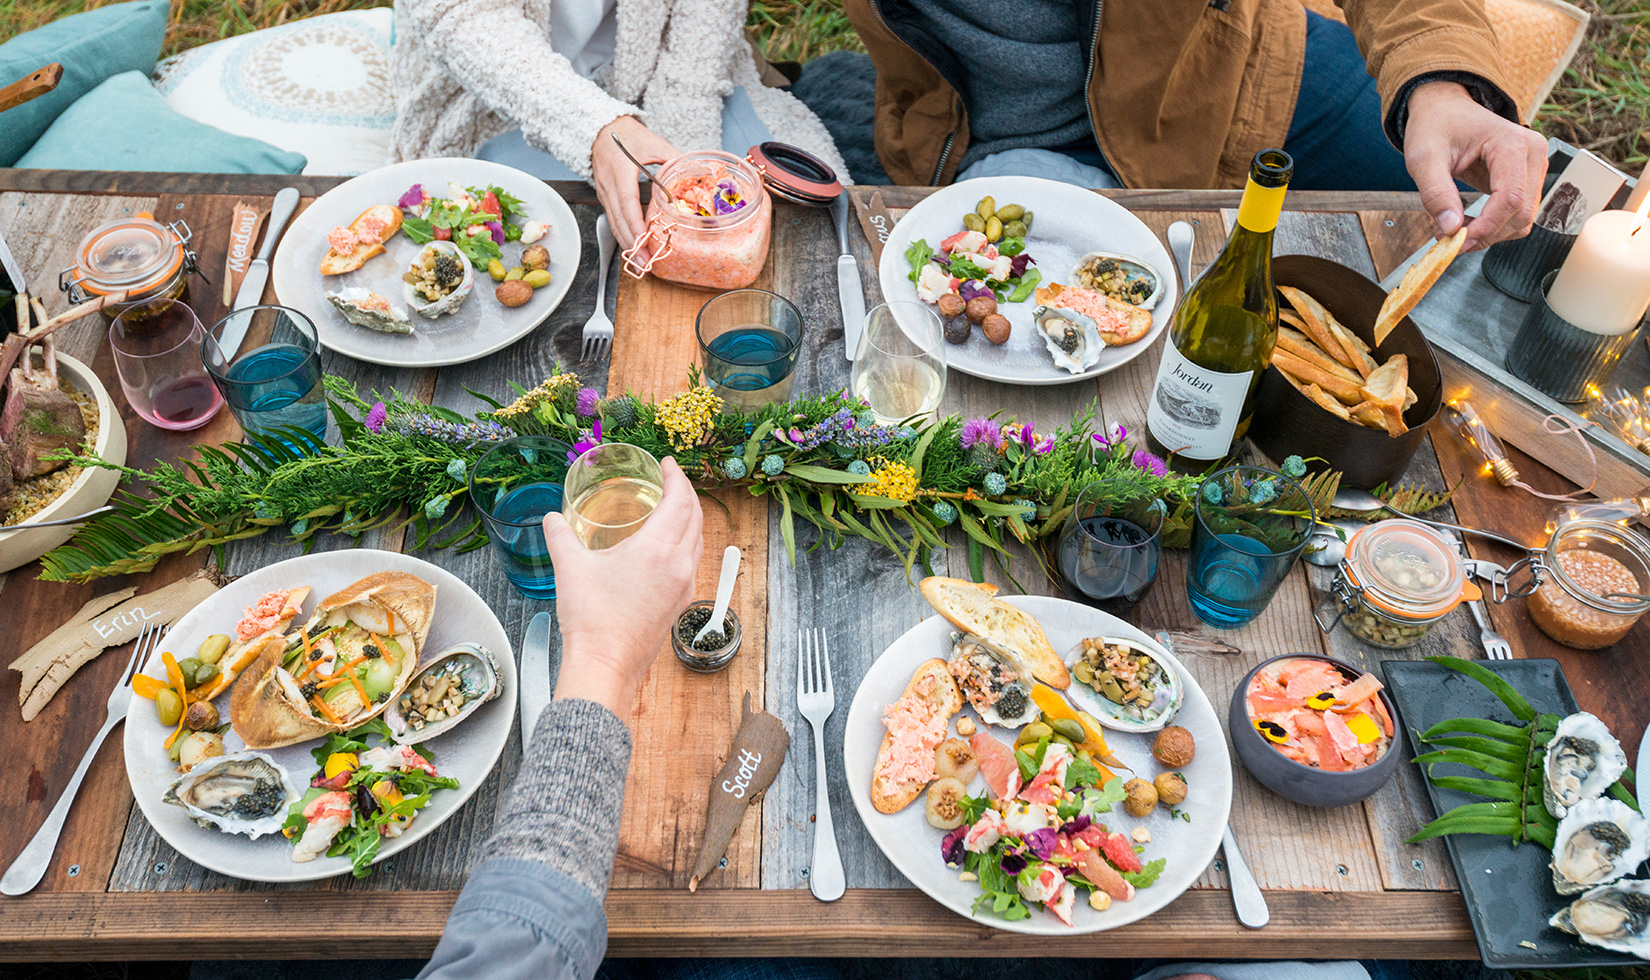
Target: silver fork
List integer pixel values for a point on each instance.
(598, 330)
(815, 698)
(30, 866)
(1496, 646)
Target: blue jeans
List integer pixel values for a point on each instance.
(1336, 136)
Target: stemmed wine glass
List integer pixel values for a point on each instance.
(899, 369)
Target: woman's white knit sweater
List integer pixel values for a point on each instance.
(465, 71)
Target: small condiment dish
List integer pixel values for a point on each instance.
(705, 661)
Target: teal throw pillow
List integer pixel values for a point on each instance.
(124, 124)
(91, 47)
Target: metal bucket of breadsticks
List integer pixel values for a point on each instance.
(1334, 390)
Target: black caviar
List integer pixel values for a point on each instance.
(691, 623)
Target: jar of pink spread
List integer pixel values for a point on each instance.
(714, 233)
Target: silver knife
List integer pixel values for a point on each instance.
(1246, 894)
(1644, 757)
(257, 272)
(535, 675)
(848, 289)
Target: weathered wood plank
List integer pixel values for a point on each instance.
(96, 182)
(647, 922)
(1200, 200)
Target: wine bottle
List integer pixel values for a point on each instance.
(1222, 337)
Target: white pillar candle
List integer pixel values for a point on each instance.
(1604, 284)
(1641, 190)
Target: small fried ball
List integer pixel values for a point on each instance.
(535, 257)
(513, 292)
(952, 305)
(1171, 789)
(1140, 798)
(995, 327)
(980, 307)
(957, 330)
(1174, 747)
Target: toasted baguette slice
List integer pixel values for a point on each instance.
(242, 653)
(1388, 385)
(336, 263)
(1307, 373)
(1418, 278)
(1325, 401)
(1302, 347)
(944, 699)
(1362, 360)
(974, 609)
(1136, 321)
(1380, 417)
(1315, 319)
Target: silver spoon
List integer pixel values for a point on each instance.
(724, 593)
(643, 167)
(1360, 500)
(83, 518)
(1181, 236)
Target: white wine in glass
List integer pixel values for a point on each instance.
(610, 491)
(899, 369)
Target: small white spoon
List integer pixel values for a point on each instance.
(724, 592)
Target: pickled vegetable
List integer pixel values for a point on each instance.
(169, 707)
(212, 648)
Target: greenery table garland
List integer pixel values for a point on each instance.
(824, 459)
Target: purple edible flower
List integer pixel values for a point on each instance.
(414, 198)
(1149, 463)
(1013, 863)
(586, 401)
(1042, 444)
(497, 230)
(976, 431)
(1017, 264)
(1076, 825)
(972, 288)
(585, 445)
(951, 846)
(1042, 841)
(376, 415)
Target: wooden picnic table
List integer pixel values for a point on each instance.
(1340, 883)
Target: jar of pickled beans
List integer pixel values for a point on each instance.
(139, 256)
(714, 230)
(1399, 578)
(1593, 569)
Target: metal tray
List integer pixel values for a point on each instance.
(1508, 890)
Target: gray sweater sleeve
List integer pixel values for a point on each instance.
(533, 907)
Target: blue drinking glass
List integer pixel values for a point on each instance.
(1251, 526)
(514, 485)
(266, 360)
(749, 340)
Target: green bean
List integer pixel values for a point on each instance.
(1502, 826)
(1494, 788)
(1498, 768)
(1497, 684)
(1620, 792)
(1479, 726)
(1516, 754)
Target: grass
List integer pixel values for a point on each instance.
(1602, 103)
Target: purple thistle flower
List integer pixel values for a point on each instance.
(1149, 463)
(376, 415)
(586, 402)
(976, 431)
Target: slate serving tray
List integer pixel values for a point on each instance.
(1508, 890)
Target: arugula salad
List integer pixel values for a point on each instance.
(359, 796)
(1037, 838)
(479, 220)
(967, 265)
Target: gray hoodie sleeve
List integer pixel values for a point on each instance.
(533, 906)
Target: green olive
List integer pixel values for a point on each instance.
(516, 273)
(1069, 728)
(495, 268)
(1034, 732)
(987, 206)
(1010, 212)
(993, 229)
(212, 649)
(1026, 219)
(1014, 229)
(537, 278)
(187, 667)
(175, 753)
(974, 222)
(205, 674)
(169, 707)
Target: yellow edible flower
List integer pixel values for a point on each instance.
(891, 479)
(547, 390)
(688, 417)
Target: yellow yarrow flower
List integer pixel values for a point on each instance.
(548, 390)
(891, 479)
(688, 417)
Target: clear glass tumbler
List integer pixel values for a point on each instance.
(514, 485)
(157, 350)
(899, 368)
(610, 491)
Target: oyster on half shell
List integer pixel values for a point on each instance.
(1614, 916)
(1122, 277)
(1583, 760)
(1597, 842)
(993, 680)
(242, 793)
(1073, 339)
(450, 688)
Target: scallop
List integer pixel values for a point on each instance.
(1583, 760)
(1614, 916)
(453, 300)
(1168, 696)
(456, 682)
(1122, 277)
(1012, 705)
(1597, 842)
(1073, 339)
(243, 793)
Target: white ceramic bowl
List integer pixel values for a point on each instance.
(90, 490)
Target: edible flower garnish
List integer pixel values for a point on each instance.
(707, 199)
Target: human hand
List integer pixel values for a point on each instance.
(615, 176)
(1450, 135)
(617, 606)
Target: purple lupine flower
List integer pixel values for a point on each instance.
(414, 198)
(1149, 463)
(376, 415)
(586, 402)
(978, 430)
(585, 445)
(1026, 435)
(497, 230)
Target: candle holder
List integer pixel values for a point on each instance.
(1518, 266)
(1560, 359)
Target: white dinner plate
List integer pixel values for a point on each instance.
(1068, 222)
(468, 752)
(914, 847)
(479, 327)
